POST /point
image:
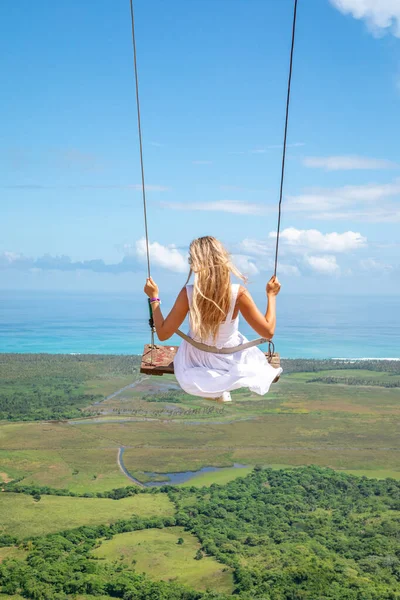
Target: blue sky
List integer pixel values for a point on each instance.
(213, 84)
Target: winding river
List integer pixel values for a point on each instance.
(170, 478)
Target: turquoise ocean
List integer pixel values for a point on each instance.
(308, 326)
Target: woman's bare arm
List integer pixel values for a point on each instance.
(166, 328)
(264, 325)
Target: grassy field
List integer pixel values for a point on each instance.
(377, 474)
(178, 459)
(22, 516)
(348, 427)
(86, 471)
(157, 553)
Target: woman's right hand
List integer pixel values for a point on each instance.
(273, 286)
(151, 288)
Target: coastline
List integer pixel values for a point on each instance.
(308, 328)
(344, 360)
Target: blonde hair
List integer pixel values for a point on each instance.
(212, 267)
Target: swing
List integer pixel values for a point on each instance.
(159, 359)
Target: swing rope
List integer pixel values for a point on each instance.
(278, 229)
(199, 345)
(139, 122)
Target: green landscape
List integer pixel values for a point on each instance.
(295, 495)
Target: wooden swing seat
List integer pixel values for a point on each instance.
(159, 360)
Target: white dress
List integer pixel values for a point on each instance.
(208, 375)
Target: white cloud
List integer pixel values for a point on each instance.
(286, 269)
(325, 265)
(346, 195)
(229, 206)
(347, 163)
(380, 214)
(245, 264)
(11, 257)
(255, 247)
(302, 250)
(368, 202)
(381, 16)
(263, 252)
(47, 262)
(307, 240)
(167, 257)
(316, 241)
(370, 264)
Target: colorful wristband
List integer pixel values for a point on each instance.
(155, 300)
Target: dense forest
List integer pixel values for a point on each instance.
(305, 365)
(42, 386)
(356, 381)
(306, 533)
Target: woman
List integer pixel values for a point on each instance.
(214, 304)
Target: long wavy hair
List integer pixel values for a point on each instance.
(211, 265)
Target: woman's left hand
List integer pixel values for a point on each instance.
(151, 288)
